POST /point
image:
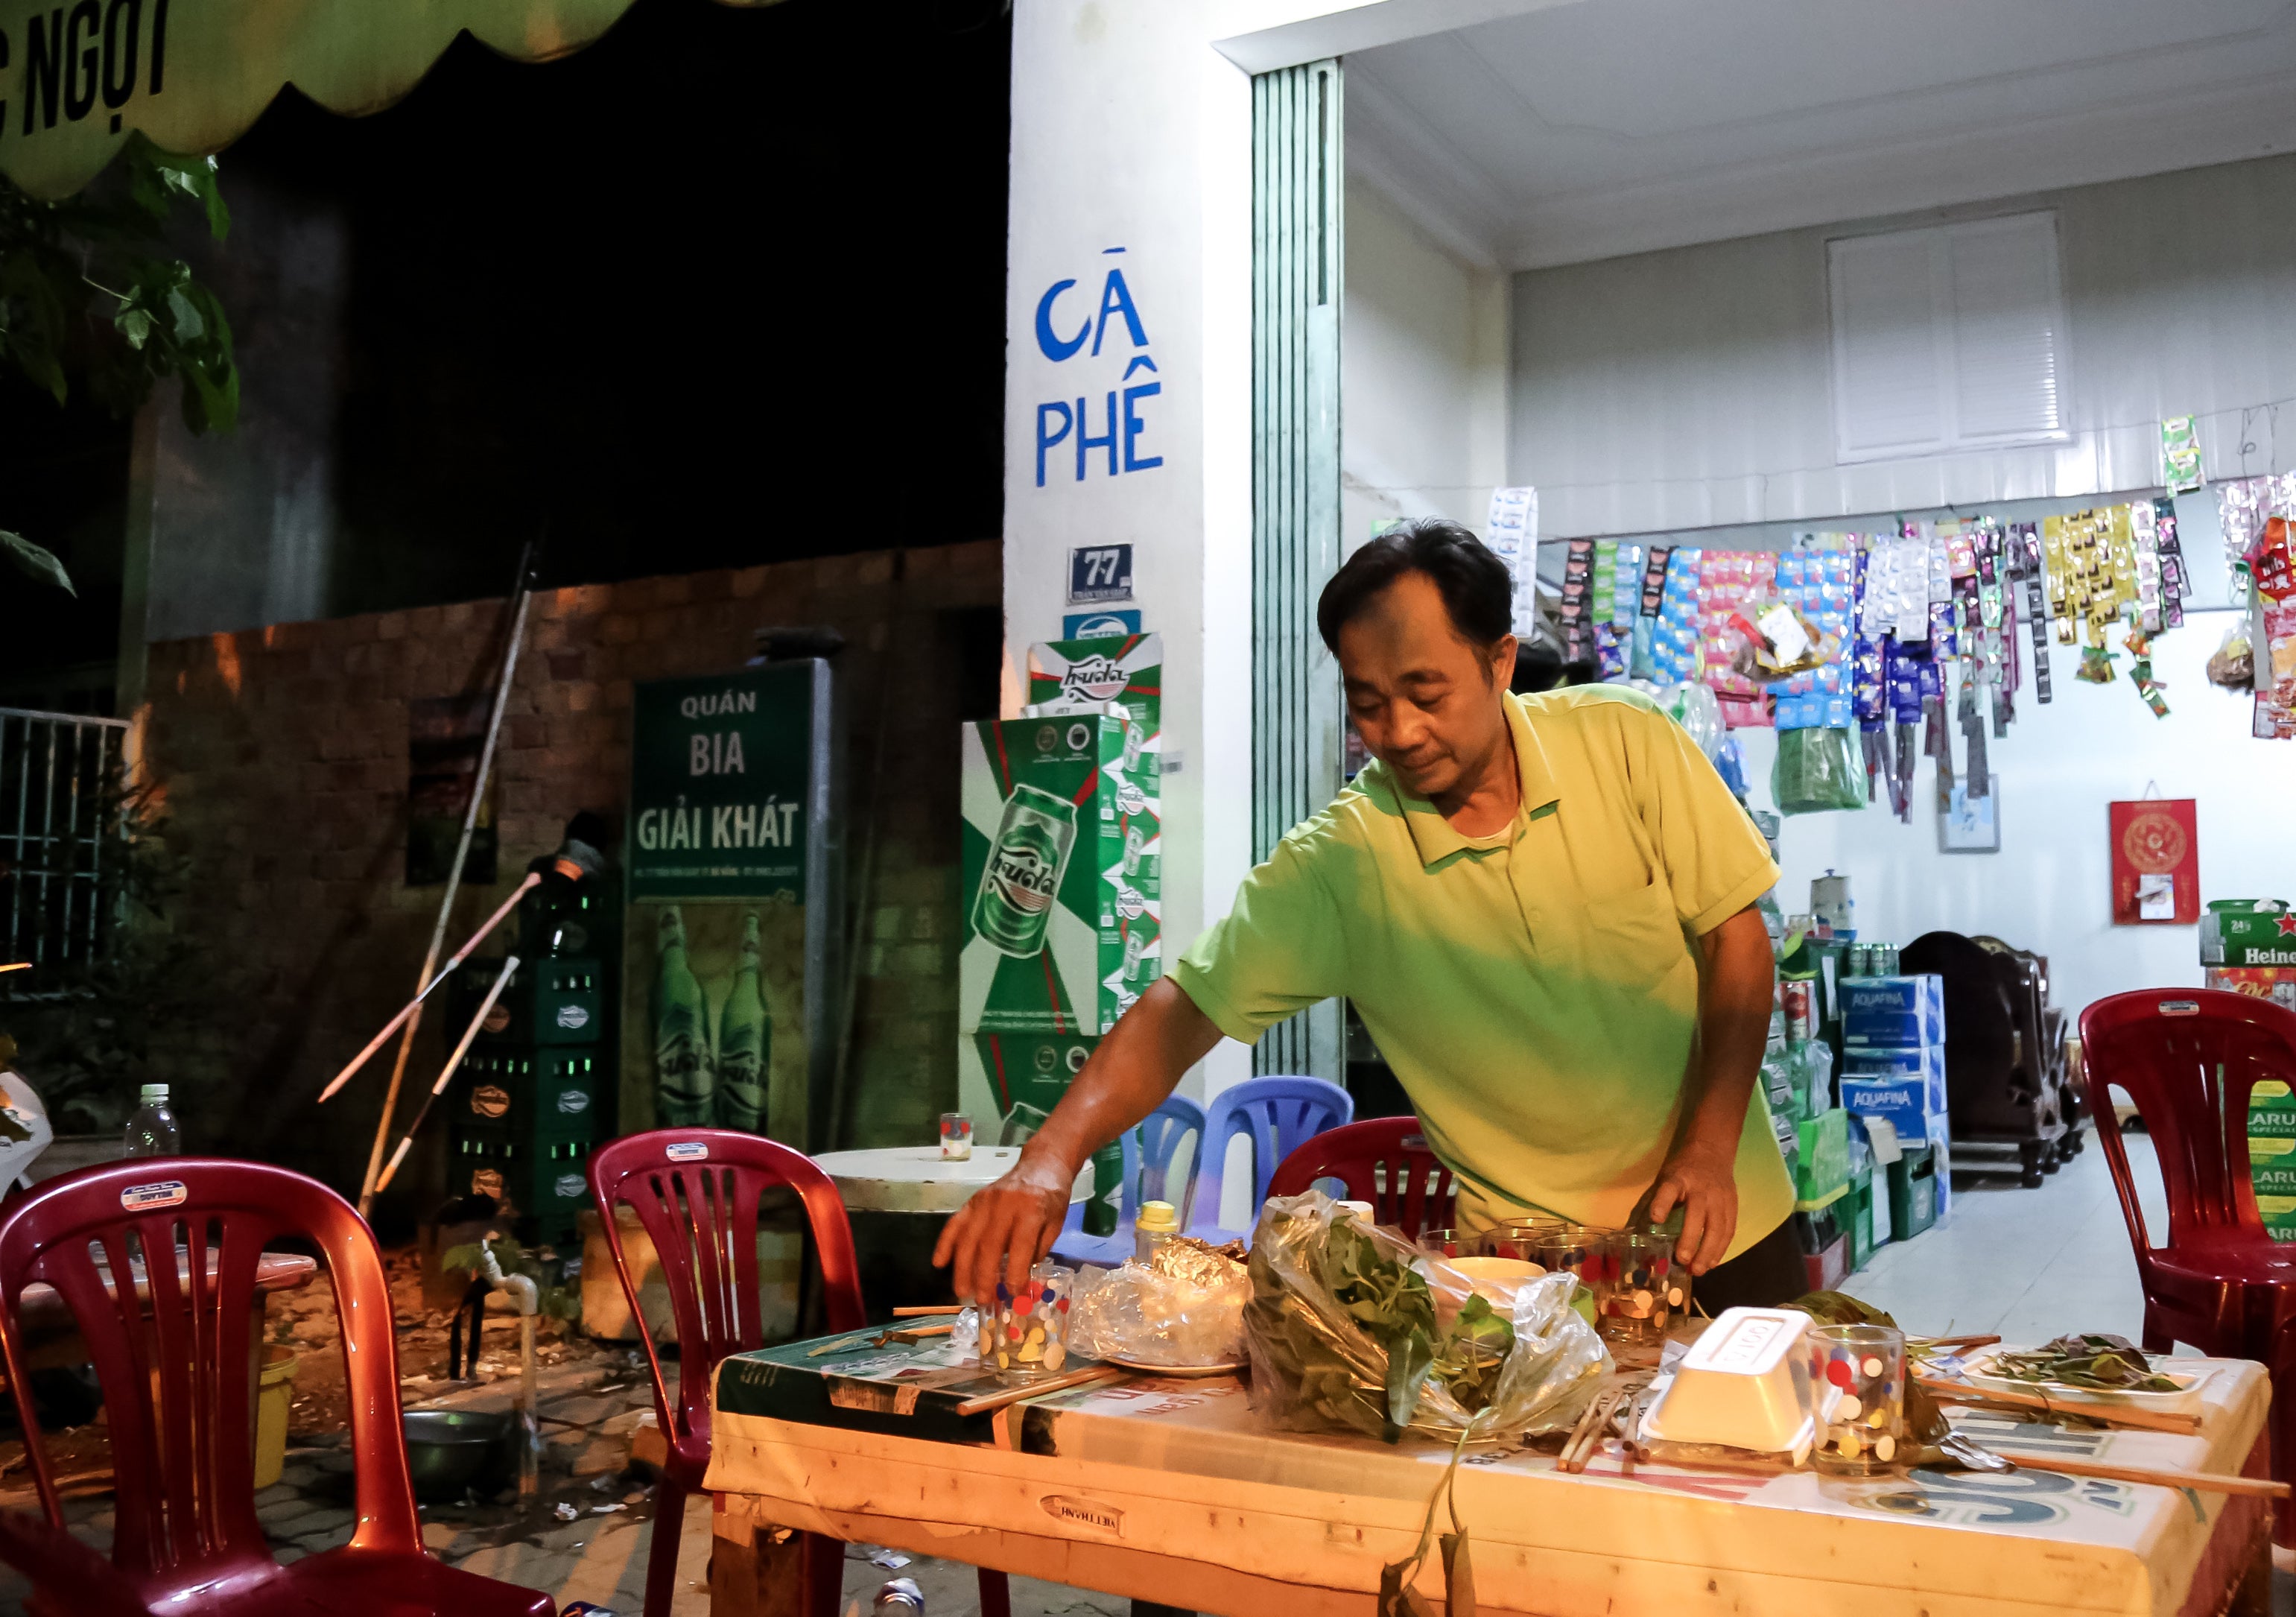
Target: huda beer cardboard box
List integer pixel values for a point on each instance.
(1063, 923)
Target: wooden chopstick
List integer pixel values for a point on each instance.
(1955, 1342)
(1058, 1383)
(929, 1310)
(1588, 1433)
(920, 1332)
(2110, 1414)
(2206, 1482)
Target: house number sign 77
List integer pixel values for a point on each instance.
(1100, 572)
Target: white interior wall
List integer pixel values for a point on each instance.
(2049, 889)
(1688, 389)
(1680, 391)
(1423, 370)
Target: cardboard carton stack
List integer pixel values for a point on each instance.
(1893, 1059)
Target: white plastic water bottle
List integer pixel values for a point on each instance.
(151, 1132)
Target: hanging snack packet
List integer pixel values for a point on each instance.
(2180, 455)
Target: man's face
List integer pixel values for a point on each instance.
(1425, 701)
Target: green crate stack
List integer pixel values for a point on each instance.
(525, 1105)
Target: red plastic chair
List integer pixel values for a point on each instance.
(178, 1379)
(695, 1192)
(2188, 1059)
(1384, 1161)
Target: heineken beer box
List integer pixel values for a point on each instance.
(1087, 675)
(2241, 932)
(1063, 905)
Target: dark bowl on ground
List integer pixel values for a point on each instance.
(450, 1450)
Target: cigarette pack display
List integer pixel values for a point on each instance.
(1063, 894)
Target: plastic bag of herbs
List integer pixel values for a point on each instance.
(1351, 1327)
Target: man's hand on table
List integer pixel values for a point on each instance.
(1704, 1181)
(1008, 1225)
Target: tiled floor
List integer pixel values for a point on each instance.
(2029, 1264)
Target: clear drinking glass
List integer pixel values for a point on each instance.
(1445, 1244)
(1028, 1338)
(1652, 1287)
(1857, 1377)
(1512, 1237)
(1592, 1253)
(955, 1137)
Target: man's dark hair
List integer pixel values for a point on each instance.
(1474, 583)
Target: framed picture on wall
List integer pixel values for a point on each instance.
(1971, 824)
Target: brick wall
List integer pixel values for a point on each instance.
(282, 756)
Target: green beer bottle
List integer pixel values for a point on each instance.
(745, 1037)
(685, 1076)
(1022, 878)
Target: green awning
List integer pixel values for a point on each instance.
(75, 77)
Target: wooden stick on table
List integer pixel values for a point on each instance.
(1587, 1435)
(1058, 1383)
(2111, 1414)
(2206, 1482)
(929, 1310)
(920, 1332)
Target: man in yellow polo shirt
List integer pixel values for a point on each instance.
(1542, 907)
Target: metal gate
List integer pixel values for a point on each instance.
(1296, 195)
(62, 841)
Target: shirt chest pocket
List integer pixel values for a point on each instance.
(1634, 938)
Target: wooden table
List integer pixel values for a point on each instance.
(1171, 1492)
(906, 1178)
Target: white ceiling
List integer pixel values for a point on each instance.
(1590, 129)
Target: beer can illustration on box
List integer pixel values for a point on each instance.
(1022, 876)
(1134, 840)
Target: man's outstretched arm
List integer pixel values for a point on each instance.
(1013, 1223)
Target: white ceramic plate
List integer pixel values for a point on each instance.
(2184, 1399)
(1190, 1371)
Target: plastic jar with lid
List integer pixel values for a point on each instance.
(1159, 1222)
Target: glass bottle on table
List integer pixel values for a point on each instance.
(151, 1132)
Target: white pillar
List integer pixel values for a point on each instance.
(1130, 132)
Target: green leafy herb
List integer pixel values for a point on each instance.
(2093, 1360)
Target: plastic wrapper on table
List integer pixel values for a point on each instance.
(1350, 1326)
(1817, 770)
(1186, 1311)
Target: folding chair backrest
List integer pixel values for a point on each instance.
(156, 1260)
(1279, 1115)
(695, 1192)
(2189, 1059)
(1384, 1160)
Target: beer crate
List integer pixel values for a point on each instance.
(1064, 901)
(2248, 932)
(542, 1178)
(557, 1000)
(536, 1089)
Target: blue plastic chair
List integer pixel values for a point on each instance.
(1148, 1152)
(1280, 1114)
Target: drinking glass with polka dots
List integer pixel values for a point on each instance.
(1857, 1376)
(1650, 1290)
(1027, 1338)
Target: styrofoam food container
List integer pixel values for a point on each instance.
(1496, 1278)
(2183, 1400)
(1744, 1383)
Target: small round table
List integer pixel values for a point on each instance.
(918, 1179)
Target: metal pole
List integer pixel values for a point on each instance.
(523, 592)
